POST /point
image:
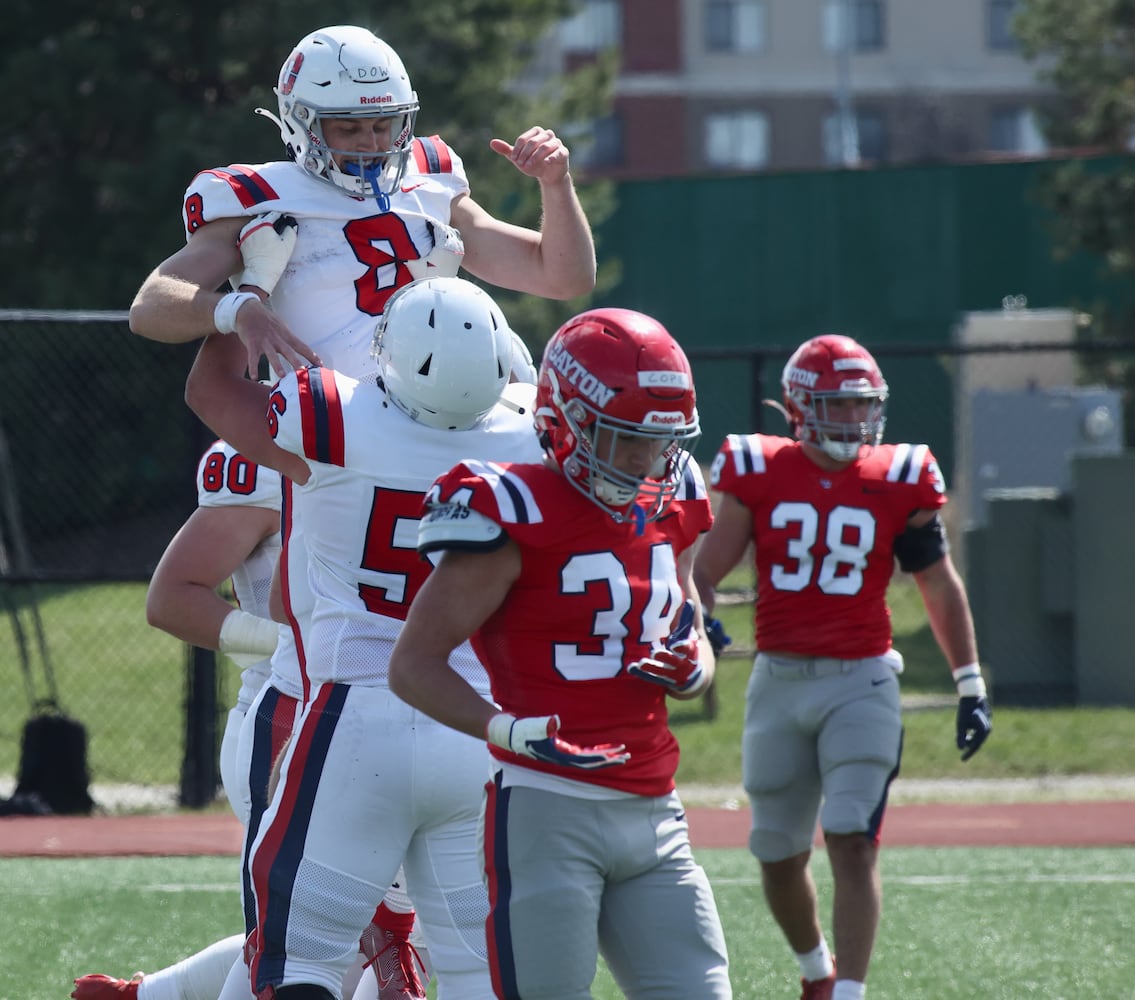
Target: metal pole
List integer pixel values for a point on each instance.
(845, 110)
(199, 767)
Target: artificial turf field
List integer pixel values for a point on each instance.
(1001, 923)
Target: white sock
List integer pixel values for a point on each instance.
(198, 977)
(848, 989)
(396, 899)
(817, 963)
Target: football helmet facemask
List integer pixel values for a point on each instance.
(346, 72)
(444, 351)
(616, 410)
(821, 372)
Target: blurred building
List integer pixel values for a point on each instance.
(725, 86)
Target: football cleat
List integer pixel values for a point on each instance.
(817, 989)
(395, 962)
(100, 987)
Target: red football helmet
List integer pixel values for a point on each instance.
(615, 380)
(835, 368)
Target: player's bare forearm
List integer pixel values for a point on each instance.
(457, 597)
(182, 598)
(176, 302)
(234, 407)
(567, 248)
(948, 610)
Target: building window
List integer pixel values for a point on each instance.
(871, 130)
(1001, 37)
(737, 140)
(596, 144)
(867, 31)
(596, 26)
(1015, 130)
(735, 25)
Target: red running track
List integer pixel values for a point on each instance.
(1040, 824)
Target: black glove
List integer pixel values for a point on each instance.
(975, 723)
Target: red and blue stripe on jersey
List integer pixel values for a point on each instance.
(250, 188)
(431, 155)
(321, 415)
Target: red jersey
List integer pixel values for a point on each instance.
(824, 541)
(592, 597)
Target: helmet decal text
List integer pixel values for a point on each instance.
(803, 376)
(664, 378)
(575, 374)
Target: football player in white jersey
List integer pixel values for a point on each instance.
(234, 533)
(375, 207)
(367, 783)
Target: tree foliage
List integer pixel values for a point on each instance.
(1086, 50)
(117, 105)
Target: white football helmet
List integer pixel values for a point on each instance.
(444, 351)
(346, 72)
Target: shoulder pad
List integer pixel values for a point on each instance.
(432, 155)
(456, 526)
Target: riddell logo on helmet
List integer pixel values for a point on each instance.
(803, 377)
(380, 99)
(580, 377)
(664, 418)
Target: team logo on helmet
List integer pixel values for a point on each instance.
(289, 77)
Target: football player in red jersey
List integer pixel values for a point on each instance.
(572, 578)
(371, 208)
(828, 514)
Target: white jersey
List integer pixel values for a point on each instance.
(342, 242)
(225, 478)
(359, 512)
(289, 660)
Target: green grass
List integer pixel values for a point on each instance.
(995, 923)
(126, 682)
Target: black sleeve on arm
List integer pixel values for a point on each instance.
(918, 548)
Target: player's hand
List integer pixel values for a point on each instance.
(674, 665)
(264, 334)
(444, 260)
(265, 244)
(975, 723)
(715, 633)
(536, 737)
(537, 152)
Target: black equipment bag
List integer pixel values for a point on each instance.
(53, 761)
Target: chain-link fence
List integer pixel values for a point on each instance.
(97, 460)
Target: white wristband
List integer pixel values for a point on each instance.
(245, 633)
(969, 681)
(224, 315)
(499, 730)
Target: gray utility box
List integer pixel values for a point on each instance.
(1027, 438)
(1049, 575)
(1104, 581)
(1020, 579)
